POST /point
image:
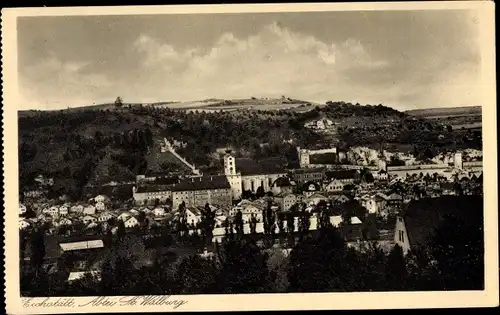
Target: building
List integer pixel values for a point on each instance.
(22, 209)
(282, 185)
(100, 198)
(306, 157)
(193, 215)
(52, 211)
(335, 186)
(131, 222)
(416, 226)
(105, 216)
(63, 210)
(308, 174)
(404, 171)
(159, 212)
(148, 194)
(76, 209)
(344, 176)
(285, 201)
(24, 224)
(315, 199)
(310, 188)
(252, 174)
(124, 216)
(65, 221)
(198, 191)
(457, 160)
(100, 206)
(90, 209)
(89, 219)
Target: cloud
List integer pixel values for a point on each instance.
(274, 61)
(55, 83)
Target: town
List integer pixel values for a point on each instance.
(355, 191)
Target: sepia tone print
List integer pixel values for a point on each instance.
(239, 153)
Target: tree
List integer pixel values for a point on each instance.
(243, 268)
(260, 192)
(196, 275)
(37, 247)
(396, 269)
(458, 250)
(207, 223)
(118, 102)
(120, 233)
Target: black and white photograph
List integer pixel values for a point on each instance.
(250, 152)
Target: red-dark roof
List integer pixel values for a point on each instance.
(422, 217)
(202, 183)
(255, 167)
(282, 182)
(343, 174)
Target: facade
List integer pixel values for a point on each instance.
(282, 186)
(198, 191)
(23, 224)
(105, 217)
(159, 212)
(305, 155)
(151, 193)
(308, 174)
(76, 209)
(131, 222)
(285, 201)
(63, 210)
(89, 219)
(100, 206)
(90, 209)
(193, 215)
(22, 209)
(335, 186)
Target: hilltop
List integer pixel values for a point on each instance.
(445, 112)
(95, 146)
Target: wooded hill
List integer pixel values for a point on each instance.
(98, 146)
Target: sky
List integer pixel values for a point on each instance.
(402, 59)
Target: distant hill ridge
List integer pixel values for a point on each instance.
(440, 111)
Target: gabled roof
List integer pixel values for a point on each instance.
(282, 182)
(422, 217)
(341, 174)
(395, 196)
(308, 184)
(265, 166)
(153, 188)
(202, 183)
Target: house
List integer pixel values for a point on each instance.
(65, 221)
(310, 188)
(149, 194)
(159, 212)
(335, 186)
(282, 185)
(52, 211)
(124, 216)
(131, 222)
(198, 191)
(24, 224)
(100, 206)
(315, 199)
(63, 210)
(340, 199)
(90, 209)
(394, 199)
(105, 216)
(370, 204)
(381, 175)
(100, 198)
(344, 176)
(22, 209)
(134, 212)
(89, 219)
(285, 201)
(193, 215)
(308, 174)
(77, 209)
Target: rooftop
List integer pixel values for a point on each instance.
(249, 166)
(202, 183)
(342, 174)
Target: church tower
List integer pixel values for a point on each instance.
(233, 178)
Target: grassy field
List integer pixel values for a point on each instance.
(445, 112)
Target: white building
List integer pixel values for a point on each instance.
(89, 219)
(24, 224)
(131, 222)
(159, 212)
(105, 216)
(124, 216)
(63, 210)
(22, 209)
(100, 206)
(334, 186)
(90, 209)
(76, 209)
(100, 198)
